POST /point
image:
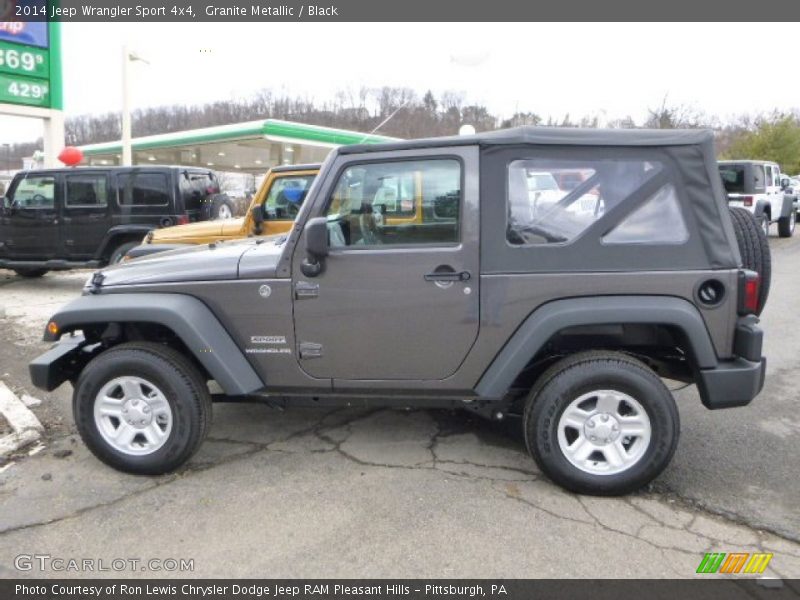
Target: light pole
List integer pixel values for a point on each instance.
(127, 58)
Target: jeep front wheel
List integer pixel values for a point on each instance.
(142, 408)
(601, 423)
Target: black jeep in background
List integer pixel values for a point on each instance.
(58, 219)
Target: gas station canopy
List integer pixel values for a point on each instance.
(250, 147)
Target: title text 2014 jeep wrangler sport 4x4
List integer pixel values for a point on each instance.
(570, 311)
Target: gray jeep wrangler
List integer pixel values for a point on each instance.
(555, 274)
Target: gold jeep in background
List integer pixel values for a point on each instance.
(279, 198)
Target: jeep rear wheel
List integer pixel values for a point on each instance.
(221, 207)
(786, 225)
(142, 408)
(754, 249)
(120, 251)
(601, 423)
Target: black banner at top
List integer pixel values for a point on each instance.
(189, 11)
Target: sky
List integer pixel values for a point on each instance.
(596, 69)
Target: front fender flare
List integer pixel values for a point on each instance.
(186, 316)
(555, 316)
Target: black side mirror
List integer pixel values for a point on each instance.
(317, 237)
(316, 231)
(258, 217)
(258, 214)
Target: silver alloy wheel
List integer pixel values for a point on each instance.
(133, 416)
(604, 432)
(224, 212)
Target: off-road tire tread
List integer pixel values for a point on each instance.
(784, 228)
(754, 248)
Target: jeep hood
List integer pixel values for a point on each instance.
(203, 231)
(209, 262)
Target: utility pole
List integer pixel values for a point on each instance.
(127, 58)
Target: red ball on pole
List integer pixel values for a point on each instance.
(71, 156)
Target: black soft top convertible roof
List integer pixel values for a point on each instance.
(560, 136)
(692, 151)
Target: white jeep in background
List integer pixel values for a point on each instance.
(759, 187)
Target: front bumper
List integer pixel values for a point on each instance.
(55, 366)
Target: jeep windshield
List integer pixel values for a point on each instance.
(286, 196)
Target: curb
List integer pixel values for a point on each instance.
(26, 427)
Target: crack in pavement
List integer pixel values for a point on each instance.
(325, 430)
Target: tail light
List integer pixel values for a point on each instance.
(212, 189)
(747, 200)
(183, 219)
(749, 286)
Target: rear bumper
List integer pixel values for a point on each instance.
(55, 366)
(733, 383)
(736, 382)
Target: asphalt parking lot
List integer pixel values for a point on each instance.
(386, 493)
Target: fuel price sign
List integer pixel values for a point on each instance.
(30, 64)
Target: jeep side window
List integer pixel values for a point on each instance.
(658, 221)
(552, 215)
(286, 196)
(759, 182)
(408, 202)
(86, 191)
(34, 192)
(143, 189)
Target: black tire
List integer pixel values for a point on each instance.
(786, 225)
(754, 248)
(584, 373)
(221, 203)
(183, 387)
(31, 273)
(120, 251)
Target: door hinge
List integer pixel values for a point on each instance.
(303, 289)
(310, 350)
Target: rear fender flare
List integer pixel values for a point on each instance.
(555, 316)
(787, 206)
(122, 234)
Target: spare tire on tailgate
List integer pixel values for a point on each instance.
(754, 248)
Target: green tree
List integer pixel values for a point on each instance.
(775, 138)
